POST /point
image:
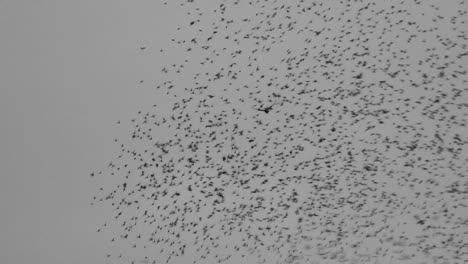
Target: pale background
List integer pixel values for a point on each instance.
(68, 71)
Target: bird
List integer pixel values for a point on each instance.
(266, 109)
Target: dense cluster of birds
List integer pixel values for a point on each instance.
(300, 132)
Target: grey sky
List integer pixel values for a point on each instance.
(68, 71)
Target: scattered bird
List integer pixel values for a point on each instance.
(364, 160)
(266, 109)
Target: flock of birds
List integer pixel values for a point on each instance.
(301, 132)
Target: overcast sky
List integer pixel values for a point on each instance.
(68, 71)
